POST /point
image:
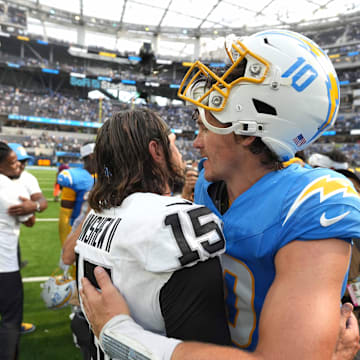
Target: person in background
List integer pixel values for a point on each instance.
(75, 183)
(79, 326)
(34, 202)
(11, 294)
(334, 159)
(191, 176)
(37, 202)
(57, 187)
(288, 230)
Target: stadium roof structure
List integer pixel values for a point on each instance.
(109, 22)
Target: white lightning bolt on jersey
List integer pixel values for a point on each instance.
(326, 186)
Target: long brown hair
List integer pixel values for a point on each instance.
(124, 164)
(267, 158)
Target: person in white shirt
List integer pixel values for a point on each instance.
(37, 201)
(11, 294)
(34, 201)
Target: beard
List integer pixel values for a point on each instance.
(14, 177)
(177, 179)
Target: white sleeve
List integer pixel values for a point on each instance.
(122, 338)
(24, 218)
(10, 196)
(32, 184)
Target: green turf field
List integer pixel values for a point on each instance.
(40, 246)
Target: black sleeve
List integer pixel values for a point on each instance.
(192, 304)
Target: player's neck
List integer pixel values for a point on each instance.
(243, 179)
(167, 191)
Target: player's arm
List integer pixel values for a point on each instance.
(68, 250)
(40, 200)
(25, 207)
(108, 314)
(300, 316)
(36, 203)
(36, 194)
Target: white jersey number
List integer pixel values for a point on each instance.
(240, 297)
(188, 254)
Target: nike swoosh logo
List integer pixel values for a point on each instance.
(327, 222)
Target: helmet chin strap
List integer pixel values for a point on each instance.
(283, 151)
(215, 129)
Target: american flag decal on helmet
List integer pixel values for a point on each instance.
(299, 140)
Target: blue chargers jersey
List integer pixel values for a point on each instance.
(80, 181)
(294, 203)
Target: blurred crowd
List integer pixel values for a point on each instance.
(59, 106)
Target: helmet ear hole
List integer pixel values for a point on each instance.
(264, 108)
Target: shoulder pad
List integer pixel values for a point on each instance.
(65, 178)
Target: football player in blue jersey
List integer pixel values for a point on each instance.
(288, 230)
(75, 183)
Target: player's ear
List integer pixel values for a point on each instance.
(248, 140)
(244, 140)
(156, 151)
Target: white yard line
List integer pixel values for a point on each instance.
(35, 279)
(49, 219)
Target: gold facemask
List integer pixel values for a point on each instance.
(197, 92)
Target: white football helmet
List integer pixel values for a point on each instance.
(322, 160)
(286, 92)
(57, 291)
